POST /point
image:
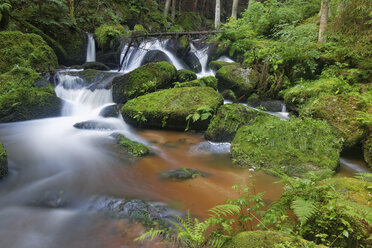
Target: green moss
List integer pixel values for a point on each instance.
(138, 28)
(189, 21)
(229, 95)
(21, 100)
(208, 81)
(293, 147)
(185, 76)
(352, 189)
(3, 161)
(227, 121)
(169, 108)
(367, 151)
(266, 239)
(145, 79)
(216, 65)
(134, 148)
(108, 35)
(95, 66)
(341, 112)
(25, 50)
(236, 79)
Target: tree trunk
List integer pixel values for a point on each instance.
(235, 9)
(179, 6)
(72, 9)
(166, 7)
(174, 9)
(195, 5)
(217, 16)
(323, 21)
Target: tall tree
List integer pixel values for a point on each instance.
(166, 7)
(217, 16)
(174, 9)
(323, 20)
(235, 9)
(195, 5)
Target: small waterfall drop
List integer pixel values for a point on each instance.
(202, 55)
(225, 59)
(91, 49)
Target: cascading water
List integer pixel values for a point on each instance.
(91, 49)
(202, 55)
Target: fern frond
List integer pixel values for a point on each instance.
(152, 233)
(224, 210)
(217, 240)
(304, 209)
(357, 210)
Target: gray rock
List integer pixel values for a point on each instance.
(110, 111)
(155, 56)
(193, 62)
(94, 125)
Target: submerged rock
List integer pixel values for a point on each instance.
(208, 81)
(181, 174)
(267, 104)
(293, 147)
(254, 239)
(155, 56)
(3, 161)
(227, 121)
(170, 108)
(145, 79)
(94, 125)
(236, 79)
(185, 76)
(51, 199)
(193, 62)
(110, 111)
(132, 147)
(95, 66)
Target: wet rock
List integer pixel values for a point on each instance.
(180, 46)
(149, 213)
(110, 111)
(170, 108)
(143, 80)
(94, 125)
(41, 82)
(95, 66)
(268, 105)
(193, 62)
(52, 199)
(185, 76)
(3, 161)
(235, 78)
(95, 79)
(181, 174)
(155, 56)
(132, 147)
(210, 147)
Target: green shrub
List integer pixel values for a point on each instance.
(107, 35)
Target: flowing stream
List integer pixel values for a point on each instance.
(56, 170)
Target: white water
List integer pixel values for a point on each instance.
(91, 49)
(225, 59)
(202, 55)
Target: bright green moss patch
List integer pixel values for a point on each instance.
(209, 81)
(367, 150)
(216, 65)
(266, 239)
(227, 121)
(145, 79)
(3, 161)
(185, 76)
(134, 148)
(353, 189)
(169, 108)
(293, 147)
(21, 100)
(341, 112)
(25, 50)
(189, 21)
(108, 35)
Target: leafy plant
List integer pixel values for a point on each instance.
(140, 117)
(202, 113)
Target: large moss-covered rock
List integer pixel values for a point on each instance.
(216, 65)
(25, 50)
(145, 79)
(227, 121)
(185, 76)
(266, 239)
(3, 161)
(236, 79)
(20, 99)
(169, 108)
(341, 112)
(353, 189)
(189, 21)
(293, 147)
(155, 56)
(208, 81)
(367, 150)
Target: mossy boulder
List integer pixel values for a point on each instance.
(236, 79)
(91, 76)
(367, 150)
(229, 95)
(95, 66)
(266, 239)
(3, 161)
(132, 147)
(170, 108)
(353, 189)
(216, 65)
(293, 147)
(20, 99)
(208, 81)
(185, 76)
(342, 113)
(25, 50)
(227, 121)
(181, 174)
(145, 79)
(189, 21)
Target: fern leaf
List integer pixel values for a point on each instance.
(152, 233)
(224, 210)
(357, 210)
(303, 209)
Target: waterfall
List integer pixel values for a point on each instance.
(202, 55)
(225, 59)
(91, 49)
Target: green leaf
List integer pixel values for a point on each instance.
(345, 233)
(304, 209)
(195, 117)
